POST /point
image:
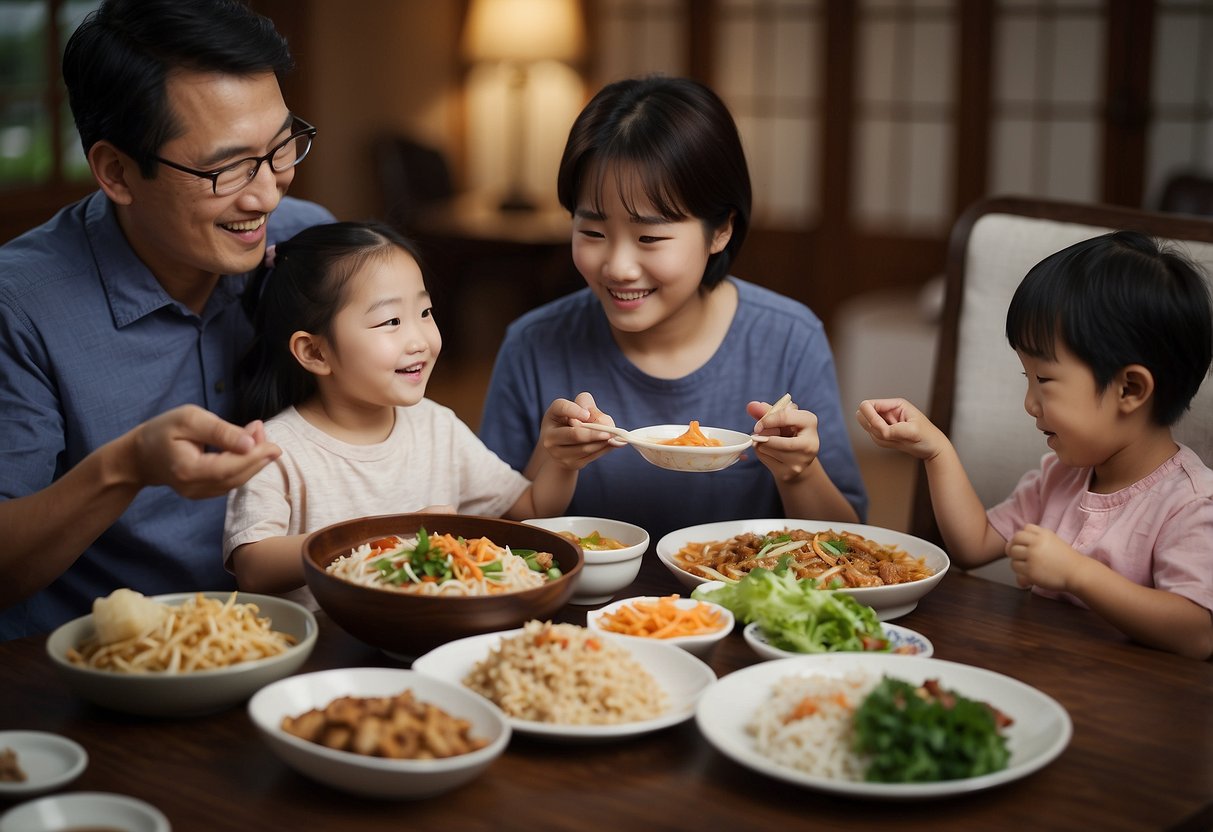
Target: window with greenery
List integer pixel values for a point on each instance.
(38, 141)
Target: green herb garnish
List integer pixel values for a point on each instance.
(914, 736)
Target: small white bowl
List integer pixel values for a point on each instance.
(48, 760)
(189, 693)
(699, 646)
(605, 572)
(84, 810)
(899, 637)
(892, 601)
(648, 442)
(377, 776)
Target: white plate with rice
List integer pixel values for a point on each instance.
(1040, 732)
(681, 677)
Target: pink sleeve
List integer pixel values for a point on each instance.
(1022, 507)
(1182, 560)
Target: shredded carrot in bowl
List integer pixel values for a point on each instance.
(693, 437)
(662, 618)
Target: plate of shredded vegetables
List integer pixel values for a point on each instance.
(695, 626)
(880, 726)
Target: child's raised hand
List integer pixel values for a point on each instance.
(567, 432)
(897, 424)
(1040, 558)
(793, 442)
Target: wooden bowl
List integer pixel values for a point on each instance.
(407, 625)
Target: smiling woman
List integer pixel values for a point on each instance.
(662, 333)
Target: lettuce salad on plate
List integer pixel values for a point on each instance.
(795, 615)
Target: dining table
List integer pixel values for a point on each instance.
(1140, 756)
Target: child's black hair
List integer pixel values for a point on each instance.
(302, 291)
(1119, 299)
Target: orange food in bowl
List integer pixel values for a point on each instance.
(693, 437)
(662, 618)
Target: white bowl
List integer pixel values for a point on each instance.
(604, 573)
(700, 645)
(899, 638)
(191, 693)
(377, 776)
(84, 810)
(648, 441)
(48, 760)
(890, 602)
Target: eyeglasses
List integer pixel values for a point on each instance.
(284, 156)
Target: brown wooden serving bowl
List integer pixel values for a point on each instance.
(408, 625)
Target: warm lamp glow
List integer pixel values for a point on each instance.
(524, 30)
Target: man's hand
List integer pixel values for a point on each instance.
(197, 454)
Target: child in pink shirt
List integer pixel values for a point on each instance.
(1115, 335)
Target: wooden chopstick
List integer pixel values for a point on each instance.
(782, 402)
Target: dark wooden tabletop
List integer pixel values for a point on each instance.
(1141, 756)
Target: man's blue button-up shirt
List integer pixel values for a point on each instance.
(90, 346)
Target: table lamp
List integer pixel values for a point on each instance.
(520, 33)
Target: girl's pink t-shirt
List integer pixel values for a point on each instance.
(1158, 532)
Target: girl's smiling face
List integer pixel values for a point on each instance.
(644, 268)
(384, 340)
(1077, 418)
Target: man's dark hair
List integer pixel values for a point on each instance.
(118, 60)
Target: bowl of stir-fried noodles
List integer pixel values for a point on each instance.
(406, 583)
(884, 569)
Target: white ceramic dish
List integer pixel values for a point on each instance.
(377, 776)
(48, 760)
(84, 810)
(699, 646)
(605, 572)
(1041, 729)
(682, 676)
(186, 694)
(648, 442)
(889, 602)
(899, 637)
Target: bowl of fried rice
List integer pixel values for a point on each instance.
(405, 583)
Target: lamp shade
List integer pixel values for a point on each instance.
(524, 30)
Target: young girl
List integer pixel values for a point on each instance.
(1115, 336)
(345, 341)
(656, 181)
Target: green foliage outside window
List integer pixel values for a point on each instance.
(29, 89)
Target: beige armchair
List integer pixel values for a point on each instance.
(977, 393)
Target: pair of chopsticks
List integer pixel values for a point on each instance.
(783, 402)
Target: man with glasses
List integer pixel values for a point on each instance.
(120, 318)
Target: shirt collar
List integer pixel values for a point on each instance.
(130, 286)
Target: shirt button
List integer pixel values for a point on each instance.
(219, 386)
